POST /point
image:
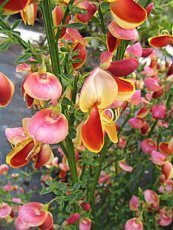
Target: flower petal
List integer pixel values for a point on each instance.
(48, 223)
(5, 210)
(109, 126)
(80, 57)
(123, 34)
(92, 133)
(47, 127)
(29, 14)
(15, 135)
(132, 15)
(6, 90)
(43, 86)
(95, 90)
(18, 156)
(126, 88)
(164, 148)
(112, 42)
(161, 41)
(44, 156)
(117, 67)
(32, 214)
(14, 6)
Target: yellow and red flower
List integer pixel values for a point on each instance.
(99, 91)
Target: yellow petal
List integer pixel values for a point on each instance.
(99, 89)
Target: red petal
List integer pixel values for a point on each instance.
(14, 6)
(161, 41)
(17, 157)
(163, 147)
(127, 13)
(6, 90)
(43, 156)
(146, 52)
(92, 8)
(112, 42)
(126, 88)
(123, 67)
(92, 133)
(81, 56)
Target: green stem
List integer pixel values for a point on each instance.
(152, 128)
(121, 50)
(64, 18)
(97, 174)
(73, 169)
(101, 19)
(72, 160)
(52, 42)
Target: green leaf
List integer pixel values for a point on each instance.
(16, 24)
(76, 25)
(23, 58)
(4, 46)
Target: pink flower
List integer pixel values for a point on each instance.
(158, 111)
(4, 169)
(124, 166)
(120, 33)
(134, 224)
(122, 142)
(25, 148)
(85, 224)
(33, 214)
(151, 198)
(136, 98)
(104, 178)
(152, 84)
(48, 127)
(135, 50)
(136, 123)
(158, 158)
(134, 203)
(148, 145)
(72, 219)
(165, 216)
(5, 210)
(41, 87)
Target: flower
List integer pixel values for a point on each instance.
(148, 145)
(124, 166)
(133, 224)
(4, 169)
(38, 88)
(158, 111)
(165, 216)
(151, 198)
(29, 14)
(48, 126)
(34, 214)
(132, 15)
(14, 6)
(161, 40)
(57, 15)
(134, 203)
(6, 90)
(5, 210)
(24, 148)
(85, 224)
(72, 219)
(95, 98)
